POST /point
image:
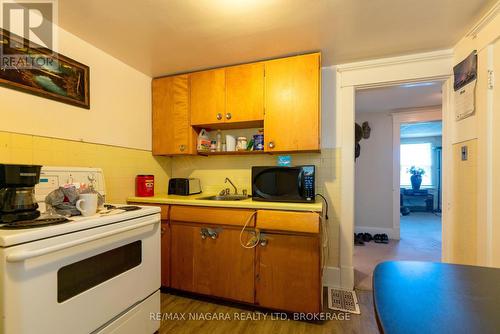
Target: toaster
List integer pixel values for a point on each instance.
(184, 186)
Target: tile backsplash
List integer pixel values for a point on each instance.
(120, 165)
(213, 170)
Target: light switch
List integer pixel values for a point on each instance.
(465, 153)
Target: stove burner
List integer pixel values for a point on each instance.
(34, 223)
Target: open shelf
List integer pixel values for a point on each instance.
(232, 153)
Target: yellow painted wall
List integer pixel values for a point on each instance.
(464, 246)
(459, 239)
(495, 237)
(213, 170)
(120, 165)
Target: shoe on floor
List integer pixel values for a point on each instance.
(358, 240)
(367, 237)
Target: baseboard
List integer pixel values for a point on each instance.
(347, 278)
(392, 233)
(336, 277)
(331, 277)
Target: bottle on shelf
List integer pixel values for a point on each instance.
(218, 141)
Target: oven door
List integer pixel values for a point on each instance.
(281, 184)
(77, 282)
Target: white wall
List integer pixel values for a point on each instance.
(373, 178)
(120, 100)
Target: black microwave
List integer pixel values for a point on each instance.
(283, 184)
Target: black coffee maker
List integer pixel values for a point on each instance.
(17, 192)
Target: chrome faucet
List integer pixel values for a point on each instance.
(235, 189)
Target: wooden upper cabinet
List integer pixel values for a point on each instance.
(245, 93)
(281, 95)
(292, 104)
(172, 132)
(208, 97)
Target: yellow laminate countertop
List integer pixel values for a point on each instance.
(247, 203)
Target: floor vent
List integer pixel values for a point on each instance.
(343, 300)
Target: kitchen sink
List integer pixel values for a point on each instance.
(225, 198)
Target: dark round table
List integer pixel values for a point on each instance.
(427, 297)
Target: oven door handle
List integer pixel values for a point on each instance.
(25, 255)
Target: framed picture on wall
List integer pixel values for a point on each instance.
(33, 69)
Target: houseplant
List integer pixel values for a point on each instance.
(416, 176)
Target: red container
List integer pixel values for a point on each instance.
(145, 185)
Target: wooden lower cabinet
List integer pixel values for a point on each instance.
(216, 266)
(201, 253)
(165, 254)
(288, 273)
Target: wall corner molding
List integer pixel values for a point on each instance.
(383, 62)
(484, 21)
(417, 67)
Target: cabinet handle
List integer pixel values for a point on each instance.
(263, 242)
(228, 115)
(271, 144)
(203, 233)
(219, 116)
(162, 231)
(213, 235)
(182, 148)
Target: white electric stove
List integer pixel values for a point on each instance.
(98, 274)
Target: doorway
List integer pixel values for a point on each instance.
(399, 132)
(421, 189)
(351, 77)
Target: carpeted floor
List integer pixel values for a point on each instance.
(420, 241)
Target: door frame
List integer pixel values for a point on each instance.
(398, 118)
(422, 67)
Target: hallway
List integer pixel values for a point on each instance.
(420, 241)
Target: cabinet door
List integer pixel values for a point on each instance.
(292, 114)
(172, 132)
(182, 239)
(288, 273)
(245, 93)
(223, 268)
(165, 254)
(217, 267)
(207, 97)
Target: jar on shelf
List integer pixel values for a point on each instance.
(241, 144)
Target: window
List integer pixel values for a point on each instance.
(418, 155)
